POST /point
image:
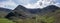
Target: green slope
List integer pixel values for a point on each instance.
(4, 20)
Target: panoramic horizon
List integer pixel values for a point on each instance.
(31, 4)
(29, 11)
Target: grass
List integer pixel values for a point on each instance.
(4, 20)
(47, 18)
(39, 19)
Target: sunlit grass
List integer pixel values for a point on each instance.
(4, 20)
(39, 19)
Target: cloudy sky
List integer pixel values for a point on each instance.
(31, 4)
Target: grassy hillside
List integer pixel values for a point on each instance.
(3, 14)
(51, 17)
(4, 20)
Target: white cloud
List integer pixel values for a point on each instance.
(32, 6)
(57, 4)
(12, 4)
(42, 3)
(8, 4)
(22, 2)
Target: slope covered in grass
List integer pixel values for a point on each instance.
(4, 20)
(51, 17)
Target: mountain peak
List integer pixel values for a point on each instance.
(19, 7)
(51, 7)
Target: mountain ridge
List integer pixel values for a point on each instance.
(22, 12)
(5, 10)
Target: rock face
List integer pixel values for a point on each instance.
(22, 12)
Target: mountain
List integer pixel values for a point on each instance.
(22, 12)
(4, 11)
(18, 12)
(50, 8)
(34, 11)
(48, 14)
(20, 7)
